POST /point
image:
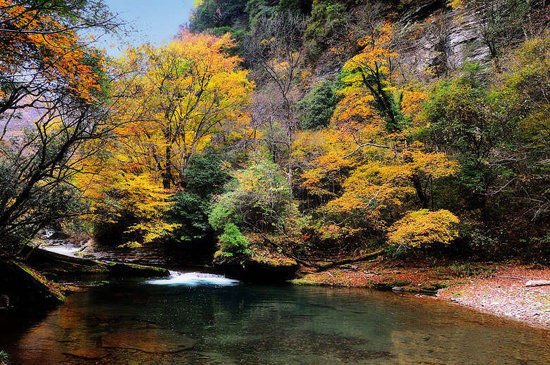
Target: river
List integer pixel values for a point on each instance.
(205, 319)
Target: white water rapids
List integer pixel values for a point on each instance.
(194, 279)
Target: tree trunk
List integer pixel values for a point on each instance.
(167, 176)
(424, 199)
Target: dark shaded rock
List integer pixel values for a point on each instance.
(258, 269)
(60, 266)
(25, 288)
(119, 269)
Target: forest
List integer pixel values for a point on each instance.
(313, 140)
(304, 128)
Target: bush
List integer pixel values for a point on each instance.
(204, 176)
(258, 199)
(318, 105)
(191, 212)
(232, 242)
(424, 228)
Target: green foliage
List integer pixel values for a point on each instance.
(328, 17)
(191, 212)
(479, 240)
(232, 242)
(258, 199)
(4, 358)
(318, 105)
(204, 175)
(218, 14)
(465, 120)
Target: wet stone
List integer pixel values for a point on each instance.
(88, 353)
(148, 340)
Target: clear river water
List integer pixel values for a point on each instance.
(204, 319)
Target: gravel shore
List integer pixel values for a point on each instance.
(505, 294)
(498, 289)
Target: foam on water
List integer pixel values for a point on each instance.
(194, 279)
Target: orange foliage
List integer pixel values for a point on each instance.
(39, 43)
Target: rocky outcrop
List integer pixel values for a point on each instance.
(28, 284)
(21, 287)
(58, 266)
(442, 41)
(261, 265)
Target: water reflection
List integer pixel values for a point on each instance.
(149, 324)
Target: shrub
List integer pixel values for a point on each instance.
(258, 199)
(191, 213)
(232, 242)
(424, 228)
(318, 105)
(204, 176)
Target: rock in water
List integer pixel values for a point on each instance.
(532, 283)
(159, 341)
(87, 353)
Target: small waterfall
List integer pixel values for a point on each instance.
(194, 279)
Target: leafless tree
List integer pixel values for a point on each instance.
(275, 48)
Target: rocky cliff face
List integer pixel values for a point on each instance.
(432, 38)
(442, 41)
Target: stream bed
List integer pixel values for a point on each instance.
(193, 318)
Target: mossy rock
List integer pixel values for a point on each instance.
(59, 266)
(119, 269)
(25, 288)
(259, 268)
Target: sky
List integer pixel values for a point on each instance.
(149, 21)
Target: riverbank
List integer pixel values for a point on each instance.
(498, 289)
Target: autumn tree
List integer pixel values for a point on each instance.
(52, 104)
(372, 69)
(176, 101)
(368, 169)
(181, 95)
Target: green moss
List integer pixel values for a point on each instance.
(400, 283)
(305, 282)
(4, 358)
(54, 290)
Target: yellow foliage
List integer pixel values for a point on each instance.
(457, 4)
(179, 97)
(423, 228)
(376, 55)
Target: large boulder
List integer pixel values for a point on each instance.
(262, 265)
(21, 287)
(59, 266)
